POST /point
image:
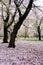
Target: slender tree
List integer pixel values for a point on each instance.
(6, 20)
(5, 38)
(39, 28)
(38, 21)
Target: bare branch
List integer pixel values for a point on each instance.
(3, 3)
(9, 2)
(40, 21)
(7, 17)
(18, 2)
(2, 14)
(25, 26)
(37, 7)
(18, 9)
(12, 19)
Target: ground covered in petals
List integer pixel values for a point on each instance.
(25, 53)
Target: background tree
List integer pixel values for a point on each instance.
(7, 23)
(26, 30)
(5, 39)
(38, 21)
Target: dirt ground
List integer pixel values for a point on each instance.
(25, 53)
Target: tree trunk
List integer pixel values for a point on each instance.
(12, 39)
(5, 39)
(39, 36)
(18, 24)
(14, 33)
(39, 33)
(26, 30)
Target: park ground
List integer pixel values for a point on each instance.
(25, 53)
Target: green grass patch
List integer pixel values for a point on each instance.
(1, 36)
(29, 38)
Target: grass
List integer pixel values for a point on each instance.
(1, 36)
(30, 38)
(27, 38)
(34, 39)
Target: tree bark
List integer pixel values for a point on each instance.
(5, 39)
(12, 39)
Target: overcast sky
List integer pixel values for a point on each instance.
(39, 2)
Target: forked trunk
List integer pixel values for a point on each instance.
(12, 37)
(13, 34)
(19, 23)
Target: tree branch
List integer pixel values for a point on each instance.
(12, 19)
(18, 9)
(37, 7)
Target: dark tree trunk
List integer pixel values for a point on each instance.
(26, 30)
(13, 35)
(39, 33)
(15, 30)
(39, 36)
(12, 40)
(5, 39)
(18, 24)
